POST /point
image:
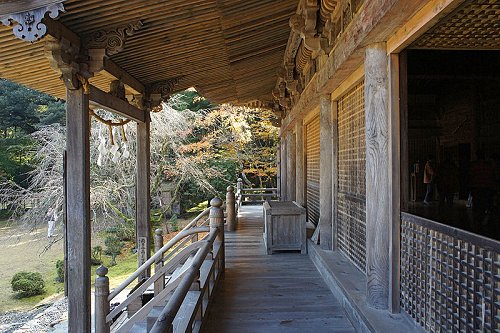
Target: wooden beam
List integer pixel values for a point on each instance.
(18, 6)
(378, 190)
(395, 159)
(142, 197)
(112, 69)
(325, 173)
(78, 210)
(109, 68)
(102, 100)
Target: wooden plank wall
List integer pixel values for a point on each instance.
(312, 170)
(351, 203)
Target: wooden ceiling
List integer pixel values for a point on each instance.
(230, 50)
(474, 25)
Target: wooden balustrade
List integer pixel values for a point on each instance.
(191, 281)
(167, 259)
(450, 278)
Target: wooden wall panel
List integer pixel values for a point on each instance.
(312, 170)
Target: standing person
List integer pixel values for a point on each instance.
(52, 218)
(429, 179)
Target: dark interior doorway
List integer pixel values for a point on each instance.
(454, 119)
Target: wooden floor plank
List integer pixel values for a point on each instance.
(264, 293)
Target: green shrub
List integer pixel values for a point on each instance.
(60, 271)
(113, 247)
(28, 284)
(96, 255)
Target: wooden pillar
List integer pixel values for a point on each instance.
(290, 166)
(300, 180)
(325, 172)
(395, 159)
(78, 209)
(143, 225)
(378, 184)
(283, 193)
(335, 171)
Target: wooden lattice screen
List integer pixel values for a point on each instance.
(351, 213)
(312, 170)
(450, 278)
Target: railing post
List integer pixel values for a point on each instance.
(217, 222)
(239, 189)
(101, 300)
(160, 282)
(230, 209)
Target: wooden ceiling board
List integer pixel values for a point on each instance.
(229, 49)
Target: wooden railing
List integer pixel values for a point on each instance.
(254, 195)
(450, 278)
(183, 260)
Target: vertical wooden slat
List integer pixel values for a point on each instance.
(143, 225)
(78, 210)
(325, 174)
(378, 199)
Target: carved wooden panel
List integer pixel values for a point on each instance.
(351, 221)
(450, 279)
(312, 170)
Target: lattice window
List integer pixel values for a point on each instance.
(351, 213)
(312, 170)
(450, 279)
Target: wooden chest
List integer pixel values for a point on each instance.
(284, 226)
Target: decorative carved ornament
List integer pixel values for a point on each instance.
(112, 40)
(160, 91)
(29, 25)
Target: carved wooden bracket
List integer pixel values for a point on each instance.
(29, 25)
(63, 58)
(113, 41)
(160, 91)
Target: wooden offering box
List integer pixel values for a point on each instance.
(284, 226)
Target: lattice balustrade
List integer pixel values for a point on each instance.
(450, 278)
(351, 221)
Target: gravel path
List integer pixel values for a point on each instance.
(39, 320)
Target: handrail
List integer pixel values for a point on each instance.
(169, 259)
(159, 253)
(167, 316)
